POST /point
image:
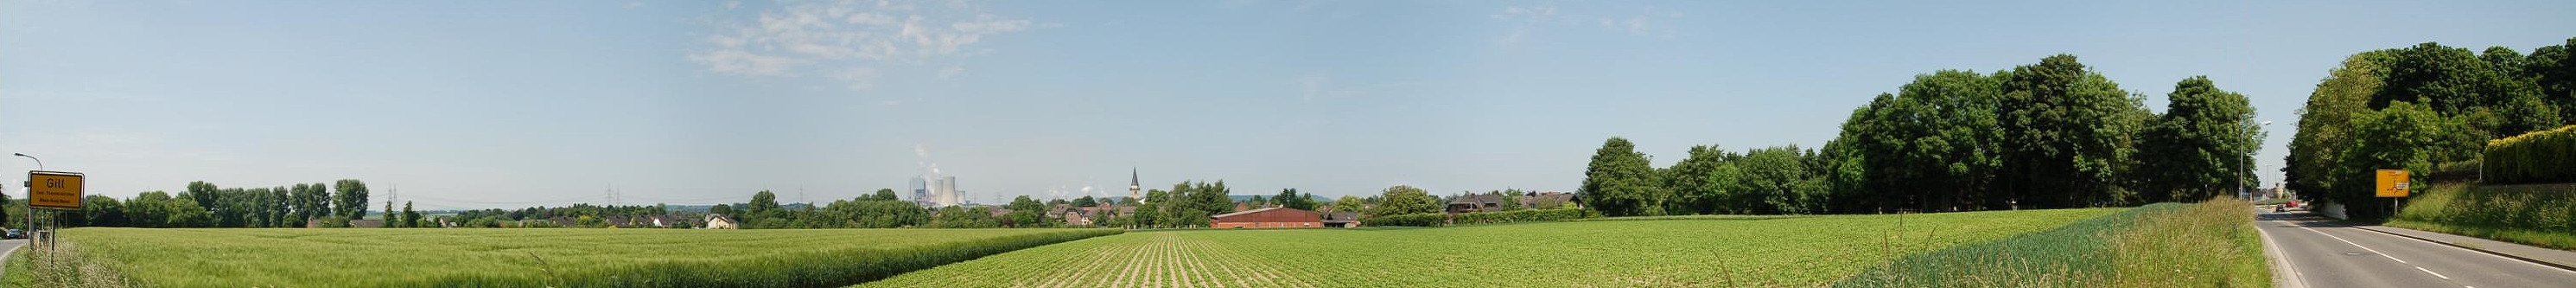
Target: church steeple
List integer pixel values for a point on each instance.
(1134, 188)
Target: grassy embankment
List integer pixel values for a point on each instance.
(2210, 244)
(2541, 215)
(125, 257)
(1802, 251)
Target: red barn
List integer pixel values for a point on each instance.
(1274, 217)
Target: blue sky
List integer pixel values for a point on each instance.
(492, 104)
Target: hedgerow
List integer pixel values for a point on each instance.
(2536, 157)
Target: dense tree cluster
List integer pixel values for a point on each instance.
(205, 204)
(2422, 108)
(2048, 135)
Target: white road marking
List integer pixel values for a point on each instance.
(2297, 280)
(2420, 268)
(2366, 248)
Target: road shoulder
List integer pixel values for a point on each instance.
(2561, 259)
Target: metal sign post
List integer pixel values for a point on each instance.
(53, 191)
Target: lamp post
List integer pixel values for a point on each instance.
(31, 203)
(40, 163)
(2242, 162)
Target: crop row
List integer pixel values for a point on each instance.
(541, 257)
(1804, 251)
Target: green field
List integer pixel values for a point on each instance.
(536, 257)
(1807, 251)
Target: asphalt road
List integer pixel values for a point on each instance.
(2321, 253)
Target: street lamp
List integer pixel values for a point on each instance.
(40, 163)
(2242, 162)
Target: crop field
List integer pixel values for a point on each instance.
(537, 257)
(1802, 251)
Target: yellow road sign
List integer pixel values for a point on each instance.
(2392, 183)
(54, 190)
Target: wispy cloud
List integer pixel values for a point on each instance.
(850, 41)
(1526, 20)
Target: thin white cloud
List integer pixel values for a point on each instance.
(1526, 19)
(633, 4)
(851, 41)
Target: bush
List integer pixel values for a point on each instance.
(1520, 216)
(1416, 220)
(1438, 219)
(2538, 157)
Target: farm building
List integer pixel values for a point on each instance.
(715, 221)
(1274, 217)
(1476, 203)
(1342, 219)
(1074, 217)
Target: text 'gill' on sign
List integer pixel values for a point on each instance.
(2392, 183)
(54, 190)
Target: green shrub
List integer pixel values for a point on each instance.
(1520, 216)
(2537, 157)
(1416, 220)
(2538, 215)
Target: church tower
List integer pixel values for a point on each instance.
(1134, 188)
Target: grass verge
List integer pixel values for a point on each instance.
(2210, 244)
(2541, 215)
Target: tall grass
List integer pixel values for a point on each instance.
(2538, 215)
(535, 257)
(2210, 244)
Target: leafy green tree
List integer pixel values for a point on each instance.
(410, 219)
(1701, 183)
(391, 220)
(1293, 200)
(1770, 181)
(1618, 182)
(722, 209)
(2200, 147)
(1511, 201)
(1085, 201)
(182, 211)
(1350, 203)
(101, 210)
(1148, 215)
(1027, 213)
(2553, 70)
(2324, 128)
(884, 194)
(2066, 133)
(351, 196)
(2399, 137)
(1403, 199)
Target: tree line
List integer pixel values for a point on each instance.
(205, 205)
(2429, 109)
(2054, 134)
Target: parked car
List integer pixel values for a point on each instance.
(13, 234)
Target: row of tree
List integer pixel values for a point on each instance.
(207, 205)
(2428, 108)
(2049, 135)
